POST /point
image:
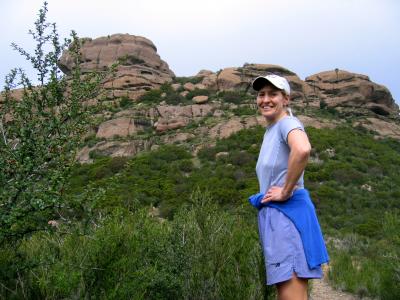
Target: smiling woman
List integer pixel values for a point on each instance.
(289, 231)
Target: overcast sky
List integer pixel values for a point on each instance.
(305, 36)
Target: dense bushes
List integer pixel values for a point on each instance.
(202, 246)
(203, 253)
(233, 96)
(41, 130)
(164, 93)
(365, 266)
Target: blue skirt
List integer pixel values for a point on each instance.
(282, 247)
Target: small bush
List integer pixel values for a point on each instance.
(129, 59)
(125, 102)
(183, 80)
(232, 97)
(244, 111)
(152, 96)
(197, 92)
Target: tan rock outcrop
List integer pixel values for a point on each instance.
(176, 86)
(189, 86)
(122, 126)
(242, 77)
(164, 124)
(200, 86)
(178, 137)
(210, 81)
(173, 117)
(229, 79)
(140, 69)
(15, 94)
(339, 88)
(184, 93)
(113, 149)
(382, 127)
(233, 125)
(188, 111)
(200, 99)
(316, 123)
(203, 73)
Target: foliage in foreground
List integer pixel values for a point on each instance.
(370, 267)
(40, 133)
(203, 253)
(165, 178)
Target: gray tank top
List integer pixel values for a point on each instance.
(273, 159)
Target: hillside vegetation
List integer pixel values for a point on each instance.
(168, 224)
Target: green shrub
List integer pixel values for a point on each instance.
(244, 111)
(205, 252)
(197, 92)
(186, 165)
(192, 79)
(218, 253)
(129, 59)
(164, 93)
(38, 147)
(232, 96)
(125, 102)
(152, 96)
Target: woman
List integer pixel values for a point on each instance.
(289, 231)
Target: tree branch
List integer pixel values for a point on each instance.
(2, 132)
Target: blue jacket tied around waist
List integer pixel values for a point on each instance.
(300, 210)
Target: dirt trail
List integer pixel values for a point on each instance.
(321, 290)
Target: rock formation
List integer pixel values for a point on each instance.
(140, 67)
(340, 88)
(205, 113)
(336, 88)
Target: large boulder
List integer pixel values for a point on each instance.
(200, 99)
(122, 127)
(174, 117)
(140, 67)
(226, 128)
(339, 88)
(382, 127)
(187, 111)
(233, 79)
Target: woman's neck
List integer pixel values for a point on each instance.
(275, 120)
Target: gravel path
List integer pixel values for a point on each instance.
(321, 290)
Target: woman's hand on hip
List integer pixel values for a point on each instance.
(275, 193)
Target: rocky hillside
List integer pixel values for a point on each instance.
(146, 105)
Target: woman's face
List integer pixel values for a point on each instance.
(272, 102)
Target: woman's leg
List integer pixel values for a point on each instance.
(293, 289)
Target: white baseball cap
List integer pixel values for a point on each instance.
(277, 81)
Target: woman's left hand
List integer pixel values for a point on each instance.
(275, 193)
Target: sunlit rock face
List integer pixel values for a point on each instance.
(140, 67)
(340, 88)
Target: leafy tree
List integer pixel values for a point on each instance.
(40, 131)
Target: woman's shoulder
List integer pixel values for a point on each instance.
(288, 124)
(291, 121)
